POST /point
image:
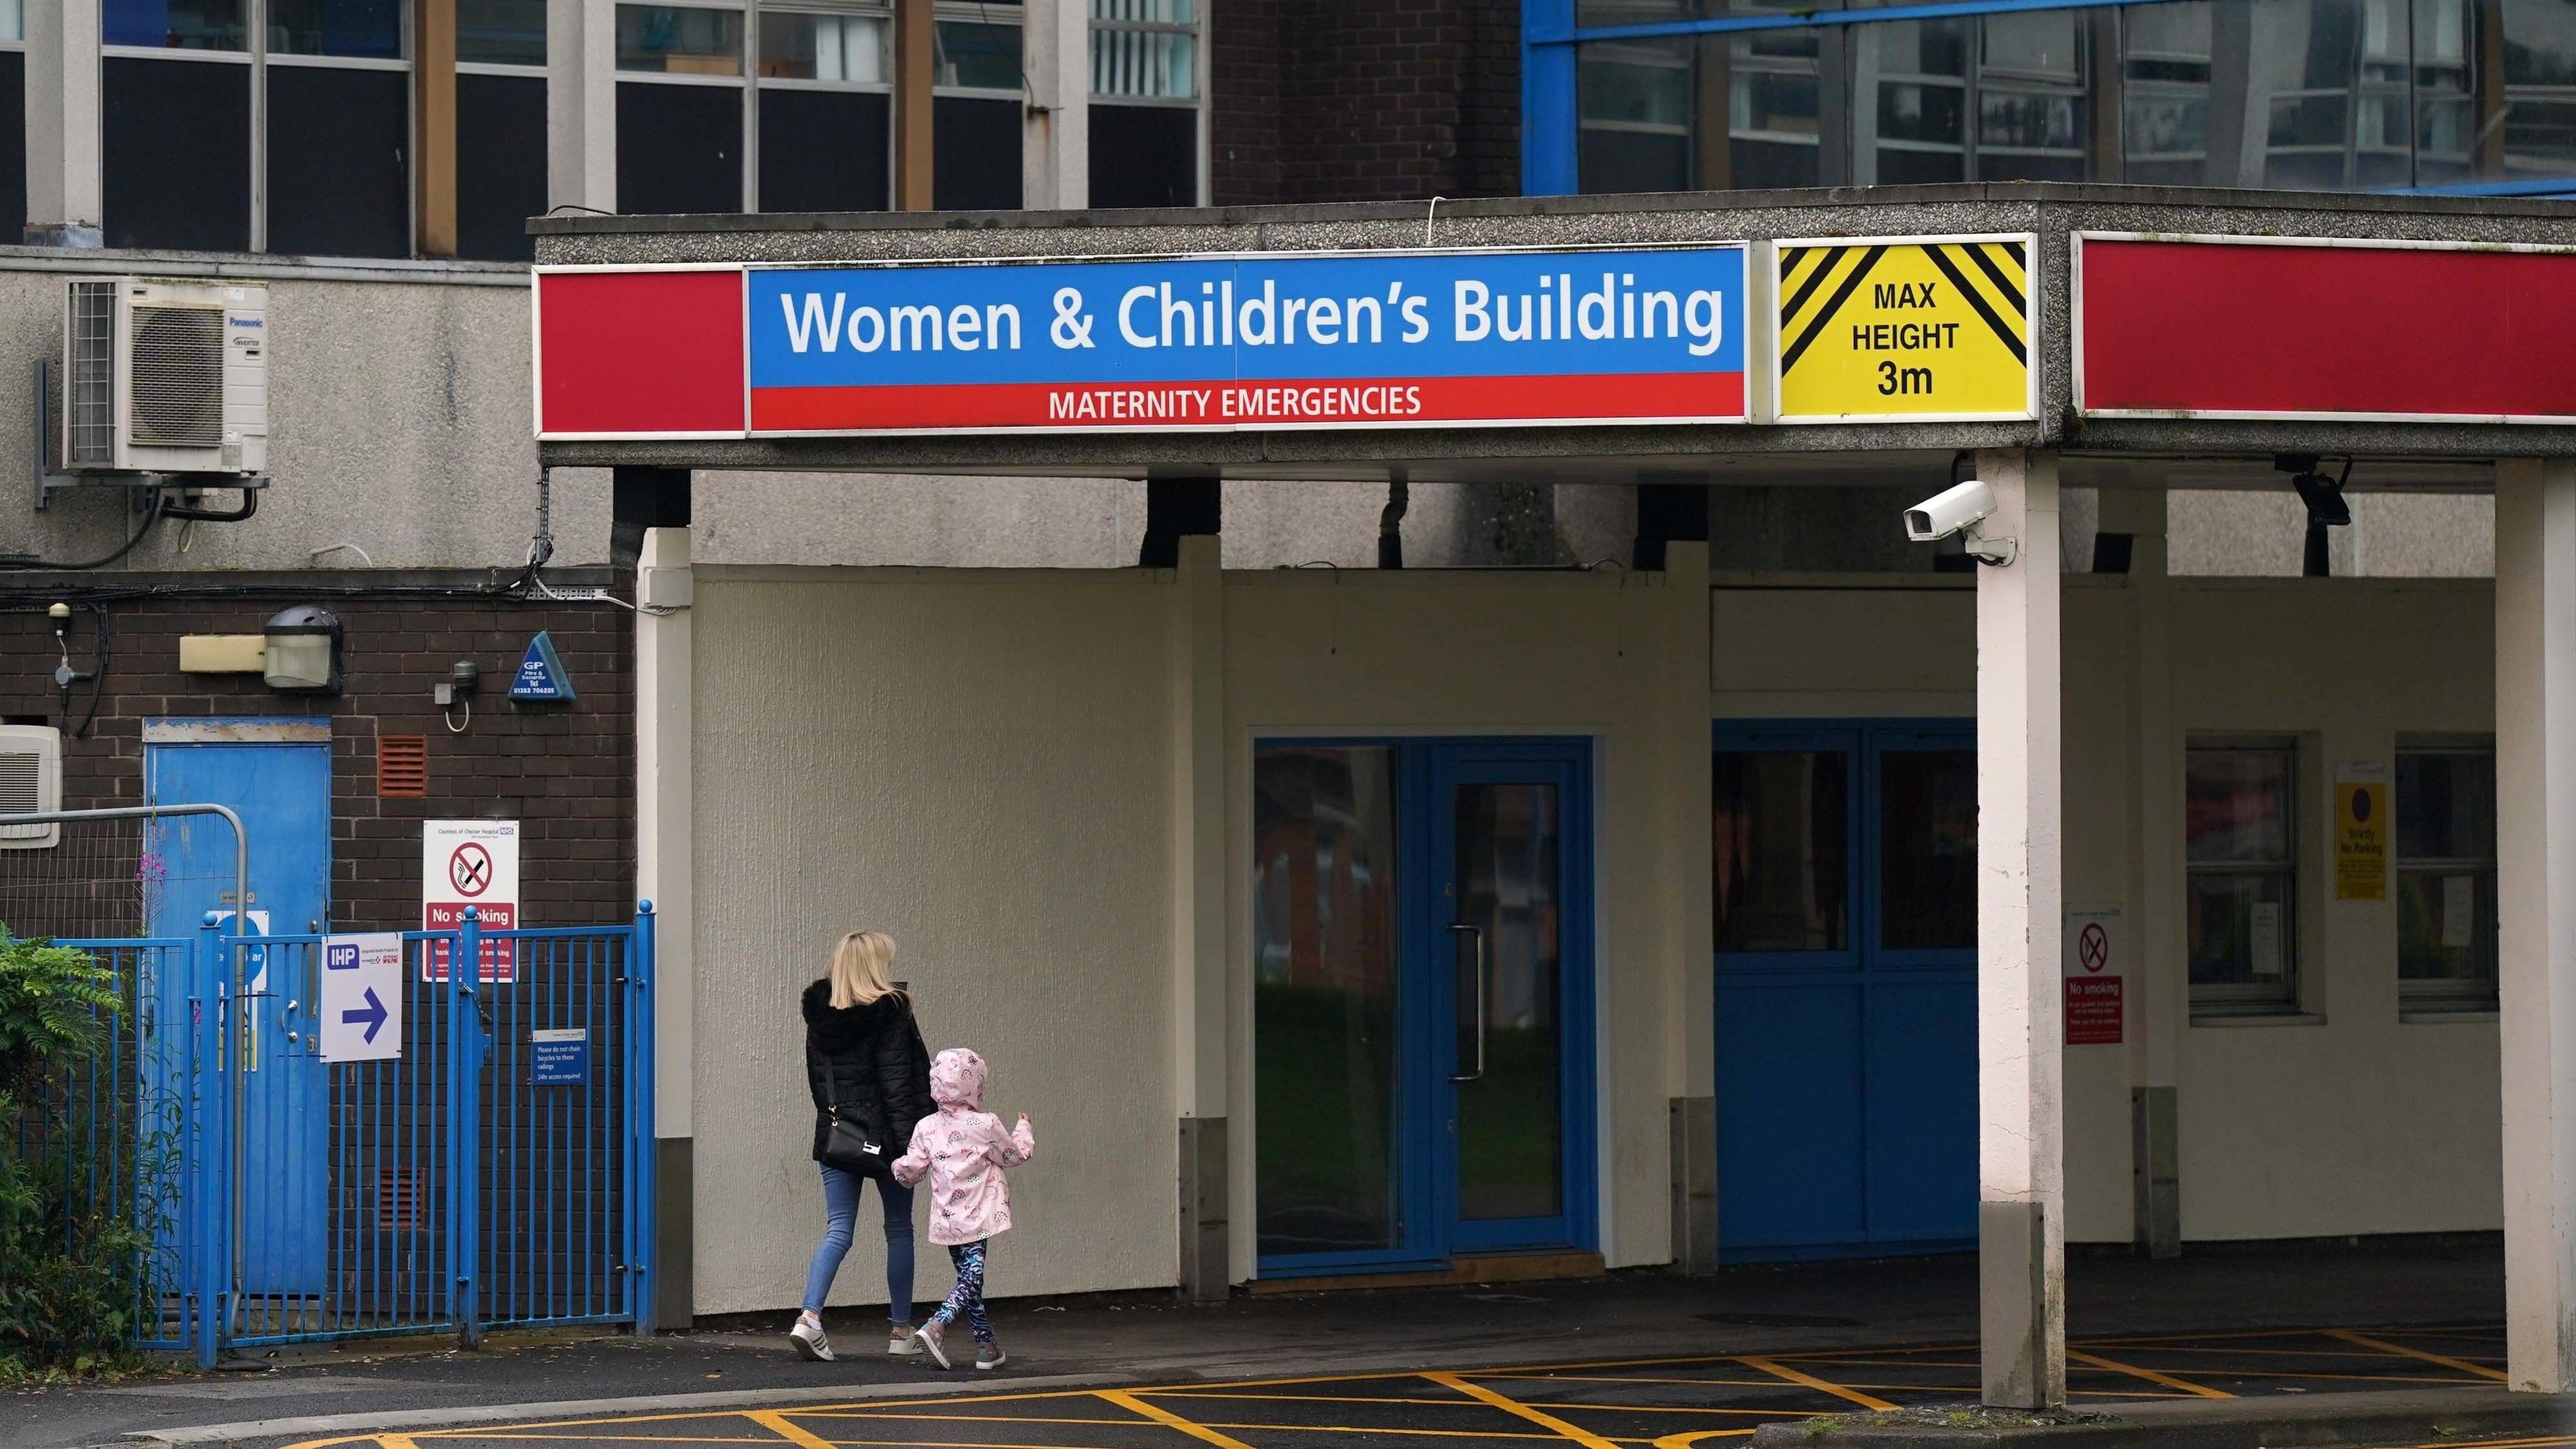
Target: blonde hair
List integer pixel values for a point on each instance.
(859, 967)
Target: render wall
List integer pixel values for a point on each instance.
(979, 766)
(2345, 1119)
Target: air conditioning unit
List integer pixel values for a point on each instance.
(31, 780)
(165, 377)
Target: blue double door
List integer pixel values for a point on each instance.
(277, 777)
(1845, 881)
(1422, 1000)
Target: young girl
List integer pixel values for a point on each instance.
(963, 1149)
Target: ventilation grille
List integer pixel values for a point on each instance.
(402, 766)
(401, 1200)
(178, 377)
(89, 386)
(22, 792)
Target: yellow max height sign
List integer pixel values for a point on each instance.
(1923, 328)
(2361, 833)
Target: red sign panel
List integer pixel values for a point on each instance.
(621, 354)
(2093, 1015)
(2314, 329)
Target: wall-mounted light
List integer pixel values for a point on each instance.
(303, 650)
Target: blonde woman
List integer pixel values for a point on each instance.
(870, 1078)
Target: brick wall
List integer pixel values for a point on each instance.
(566, 772)
(1364, 100)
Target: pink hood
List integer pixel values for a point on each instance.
(957, 1079)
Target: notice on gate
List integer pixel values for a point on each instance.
(2094, 1010)
(1924, 329)
(2361, 832)
(470, 863)
(362, 997)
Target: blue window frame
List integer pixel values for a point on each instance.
(1437, 1204)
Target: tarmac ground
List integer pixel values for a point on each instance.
(1634, 1360)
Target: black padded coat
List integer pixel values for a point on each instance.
(870, 1062)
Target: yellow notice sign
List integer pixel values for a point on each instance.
(2361, 833)
(1926, 328)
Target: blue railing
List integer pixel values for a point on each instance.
(452, 1188)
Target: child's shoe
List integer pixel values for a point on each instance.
(902, 1343)
(808, 1338)
(990, 1356)
(928, 1336)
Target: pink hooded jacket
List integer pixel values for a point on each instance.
(963, 1149)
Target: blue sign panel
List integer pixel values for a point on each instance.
(560, 1057)
(541, 676)
(1371, 340)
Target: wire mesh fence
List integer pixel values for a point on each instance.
(98, 883)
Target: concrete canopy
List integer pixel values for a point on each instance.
(2054, 212)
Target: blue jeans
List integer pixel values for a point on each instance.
(840, 1217)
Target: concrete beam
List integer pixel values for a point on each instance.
(2020, 907)
(2535, 542)
(65, 206)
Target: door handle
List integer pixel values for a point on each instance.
(1477, 936)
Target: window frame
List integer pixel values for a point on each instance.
(2215, 1000)
(2435, 996)
(259, 58)
(1200, 72)
(891, 66)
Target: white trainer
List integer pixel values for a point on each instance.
(903, 1342)
(810, 1343)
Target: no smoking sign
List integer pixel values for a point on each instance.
(470, 863)
(2095, 1012)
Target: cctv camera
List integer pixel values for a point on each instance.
(1959, 509)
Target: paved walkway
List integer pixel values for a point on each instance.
(1860, 1327)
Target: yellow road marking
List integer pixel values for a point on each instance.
(2457, 1365)
(1456, 1404)
(2150, 1375)
(1166, 1417)
(1781, 1370)
(1510, 1405)
(777, 1423)
(1684, 1441)
(1256, 1428)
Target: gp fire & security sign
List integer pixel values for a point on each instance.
(1384, 339)
(362, 997)
(1919, 328)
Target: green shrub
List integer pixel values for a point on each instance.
(79, 1203)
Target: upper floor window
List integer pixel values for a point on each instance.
(826, 98)
(500, 126)
(192, 97)
(1145, 112)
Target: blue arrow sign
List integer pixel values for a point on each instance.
(374, 1016)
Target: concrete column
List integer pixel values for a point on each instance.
(1682, 853)
(2021, 1225)
(64, 190)
(1055, 141)
(581, 104)
(2159, 1003)
(1202, 1035)
(2535, 541)
(665, 875)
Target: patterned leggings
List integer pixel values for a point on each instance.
(968, 1296)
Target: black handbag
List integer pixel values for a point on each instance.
(853, 1146)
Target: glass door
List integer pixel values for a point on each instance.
(1503, 847)
(1422, 1063)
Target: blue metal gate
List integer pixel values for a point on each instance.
(461, 1186)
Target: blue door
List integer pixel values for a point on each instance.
(1845, 882)
(1422, 1001)
(281, 788)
